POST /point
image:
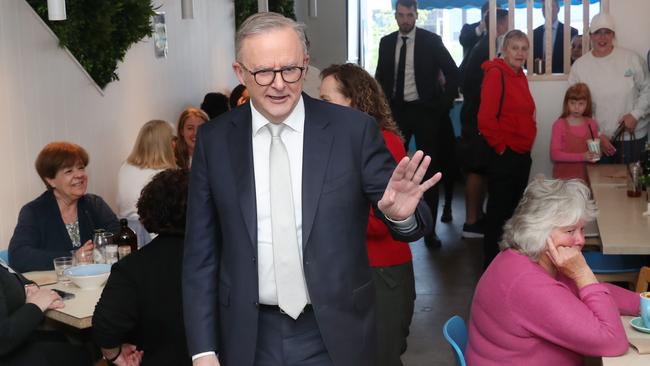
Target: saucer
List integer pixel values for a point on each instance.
(637, 323)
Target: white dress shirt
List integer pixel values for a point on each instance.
(292, 137)
(410, 90)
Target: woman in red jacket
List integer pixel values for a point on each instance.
(350, 85)
(506, 119)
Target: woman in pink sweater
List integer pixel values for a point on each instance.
(539, 303)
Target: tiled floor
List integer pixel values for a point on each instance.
(444, 279)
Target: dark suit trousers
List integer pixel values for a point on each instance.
(507, 180)
(423, 122)
(282, 341)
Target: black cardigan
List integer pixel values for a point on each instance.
(142, 304)
(40, 234)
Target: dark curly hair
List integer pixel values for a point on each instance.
(364, 92)
(163, 202)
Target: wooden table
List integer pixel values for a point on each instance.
(623, 228)
(632, 357)
(78, 312)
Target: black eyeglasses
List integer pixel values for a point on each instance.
(290, 74)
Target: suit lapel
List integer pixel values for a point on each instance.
(315, 159)
(241, 160)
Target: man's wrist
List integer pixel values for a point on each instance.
(110, 360)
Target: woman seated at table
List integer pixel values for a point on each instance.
(21, 312)
(64, 217)
(538, 303)
(151, 154)
(140, 306)
(188, 125)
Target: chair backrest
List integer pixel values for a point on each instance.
(644, 280)
(4, 254)
(455, 333)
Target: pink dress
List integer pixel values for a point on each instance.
(521, 315)
(568, 146)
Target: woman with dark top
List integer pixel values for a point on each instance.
(139, 315)
(506, 119)
(64, 217)
(188, 125)
(391, 261)
(21, 311)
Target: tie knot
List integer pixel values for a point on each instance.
(405, 38)
(276, 130)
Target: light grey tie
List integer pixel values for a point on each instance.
(289, 275)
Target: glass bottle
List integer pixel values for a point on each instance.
(126, 237)
(634, 172)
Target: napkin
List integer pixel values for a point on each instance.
(642, 344)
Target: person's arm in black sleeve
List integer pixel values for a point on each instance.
(449, 69)
(16, 327)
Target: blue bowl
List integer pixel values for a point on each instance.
(89, 276)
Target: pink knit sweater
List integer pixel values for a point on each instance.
(522, 316)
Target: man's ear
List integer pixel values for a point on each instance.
(239, 72)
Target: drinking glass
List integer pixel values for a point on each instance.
(60, 265)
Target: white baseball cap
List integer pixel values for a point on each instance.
(600, 21)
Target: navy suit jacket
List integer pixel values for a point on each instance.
(429, 58)
(558, 49)
(346, 167)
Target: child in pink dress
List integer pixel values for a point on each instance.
(571, 131)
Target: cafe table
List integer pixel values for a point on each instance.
(621, 225)
(78, 312)
(632, 357)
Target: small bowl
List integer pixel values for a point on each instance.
(89, 276)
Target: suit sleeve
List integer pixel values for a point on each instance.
(377, 167)
(16, 327)
(488, 124)
(468, 37)
(26, 250)
(379, 71)
(200, 259)
(449, 69)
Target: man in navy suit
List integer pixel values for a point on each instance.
(557, 39)
(420, 79)
(238, 312)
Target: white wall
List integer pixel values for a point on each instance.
(327, 32)
(632, 32)
(44, 96)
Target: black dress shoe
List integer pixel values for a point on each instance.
(432, 241)
(446, 214)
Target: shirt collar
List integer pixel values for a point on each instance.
(295, 120)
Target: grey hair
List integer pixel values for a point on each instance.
(514, 34)
(261, 23)
(547, 204)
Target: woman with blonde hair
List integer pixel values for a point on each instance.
(151, 154)
(188, 125)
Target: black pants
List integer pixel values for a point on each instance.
(47, 348)
(395, 286)
(423, 122)
(507, 180)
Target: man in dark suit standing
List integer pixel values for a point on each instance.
(471, 33)
(410, 63)
(275, 269)
(557, 39)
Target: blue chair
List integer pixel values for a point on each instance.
(455, 333)
(615, 267)
(4, 255)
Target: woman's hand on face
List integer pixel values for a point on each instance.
(86, 251)
(571, 263)
(43, 298)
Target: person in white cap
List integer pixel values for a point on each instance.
(620, 87)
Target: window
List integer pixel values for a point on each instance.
(376, 19)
